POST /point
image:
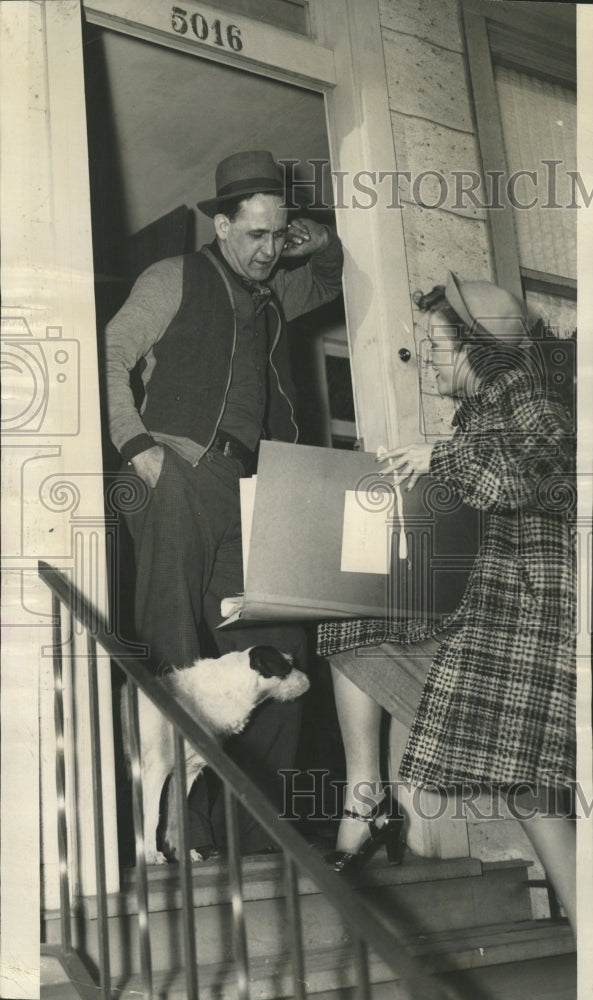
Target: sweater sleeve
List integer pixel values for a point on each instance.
(313, 284)
(130, 336)
(516, 463)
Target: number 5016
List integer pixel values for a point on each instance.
(228, 35)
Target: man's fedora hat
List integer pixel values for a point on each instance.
(253, 172)
(483, 304)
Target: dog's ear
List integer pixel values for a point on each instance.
(269, 662)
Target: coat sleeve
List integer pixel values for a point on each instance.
(313, 284)
(521, 459)
(130, 336)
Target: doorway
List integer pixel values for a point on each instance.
(159, 121)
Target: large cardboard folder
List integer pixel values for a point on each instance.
(321, 517)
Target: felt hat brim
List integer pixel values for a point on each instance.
(481, 304)
(212, 206)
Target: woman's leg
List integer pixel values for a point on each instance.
(360, 721)
(554, 840)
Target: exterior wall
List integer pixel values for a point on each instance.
(433, 130)
(51, 463)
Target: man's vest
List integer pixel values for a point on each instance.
(187, 390)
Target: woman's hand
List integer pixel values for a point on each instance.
(412, 460)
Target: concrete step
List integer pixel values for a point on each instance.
(434, 895)
(53, 984)
(543, 978)
(532, 960)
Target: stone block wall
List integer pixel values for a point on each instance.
(434, 139)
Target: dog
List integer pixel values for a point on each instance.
(220, 694)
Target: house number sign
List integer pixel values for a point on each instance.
(215, 32)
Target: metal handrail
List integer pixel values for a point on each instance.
(368, 927)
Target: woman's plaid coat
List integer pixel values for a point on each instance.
(498, 704)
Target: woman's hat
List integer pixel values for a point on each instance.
(253, 172)
(482, 304)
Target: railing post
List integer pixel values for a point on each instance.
(239, 934)
(295, 927)
(361, 960)
(102, 915)
(185, 871)
(140, 846)
(66, 928)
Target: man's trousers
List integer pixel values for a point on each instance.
(187, 545)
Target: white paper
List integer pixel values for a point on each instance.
(365, 536)
(399, 503)
(232, 606)
(247, 493)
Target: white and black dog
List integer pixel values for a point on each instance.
(221, 695)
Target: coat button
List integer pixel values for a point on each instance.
(177, 398)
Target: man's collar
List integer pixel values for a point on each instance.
(260, 291)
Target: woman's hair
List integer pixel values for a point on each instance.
(433, 301)
(487, 356)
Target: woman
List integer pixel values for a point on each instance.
(497, 705)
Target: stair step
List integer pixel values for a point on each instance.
(263, 879)
(551, 978)
(431, 894)
(468, 958)
(54, 985)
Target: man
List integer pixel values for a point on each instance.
(209, 330)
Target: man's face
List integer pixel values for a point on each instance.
(253, 242)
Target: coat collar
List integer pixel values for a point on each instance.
(487, 396)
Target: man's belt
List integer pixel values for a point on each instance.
(233, 448)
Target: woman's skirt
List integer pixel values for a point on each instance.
(391, 673)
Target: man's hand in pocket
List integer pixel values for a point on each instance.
(148, 464)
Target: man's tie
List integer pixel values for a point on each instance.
(260, 293)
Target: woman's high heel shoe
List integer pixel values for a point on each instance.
(391, 833)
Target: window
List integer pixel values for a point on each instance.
(538, 120)
(339, 391)
(523, 70)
